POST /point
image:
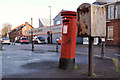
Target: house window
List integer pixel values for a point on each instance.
(118, 11)
(25, 27)
(40, 30)
(58, 22)
(110, 33)
(111, 12)
(35, 31)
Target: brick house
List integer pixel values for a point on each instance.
(19, 31)
(113, 24)
(112, 21)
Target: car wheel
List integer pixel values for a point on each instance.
(36, 42)
(8, 43)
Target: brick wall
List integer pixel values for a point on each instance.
(116, 32)
(20, 32)
(27, 27)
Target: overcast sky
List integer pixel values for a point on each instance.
(17, 12)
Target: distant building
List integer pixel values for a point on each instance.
(112, 21)
(44, 22)
(107, 1)
(113, 24)
(56, 29)
(102, 2)
(19, 31)
(43, 32)
(44, 28)
(58, 19)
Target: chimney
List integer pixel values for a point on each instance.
(26, 23)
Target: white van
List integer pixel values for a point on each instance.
(38, 39)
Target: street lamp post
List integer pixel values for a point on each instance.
(32, 37)
(50, 26)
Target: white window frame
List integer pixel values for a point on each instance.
(117, 11)
(109, 12)
(108, 33)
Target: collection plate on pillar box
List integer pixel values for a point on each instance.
(65, 27)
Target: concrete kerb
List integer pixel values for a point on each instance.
(41, 50)
(78, 53)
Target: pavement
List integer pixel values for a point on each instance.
(18, 61)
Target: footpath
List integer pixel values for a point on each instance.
(44, 62)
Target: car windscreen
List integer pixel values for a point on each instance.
(24, 39)
(5, 39)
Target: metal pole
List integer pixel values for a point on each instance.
(14, 41)
(57, 46)
(32, 37)
(91, 57)
(102, 48)
(0, 45)
(50, 26)
(50, 18)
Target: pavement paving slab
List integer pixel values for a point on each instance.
(19, 62)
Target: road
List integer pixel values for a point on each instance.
(18, 61)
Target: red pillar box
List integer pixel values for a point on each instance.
(68, 46)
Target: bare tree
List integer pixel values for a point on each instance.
(5, 28)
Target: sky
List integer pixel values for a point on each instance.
(17, 12)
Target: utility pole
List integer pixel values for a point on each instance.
(50, 26)
(32, 36)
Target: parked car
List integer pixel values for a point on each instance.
(24, 40)
(5, 41)
(59, 40)
(38, 39)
